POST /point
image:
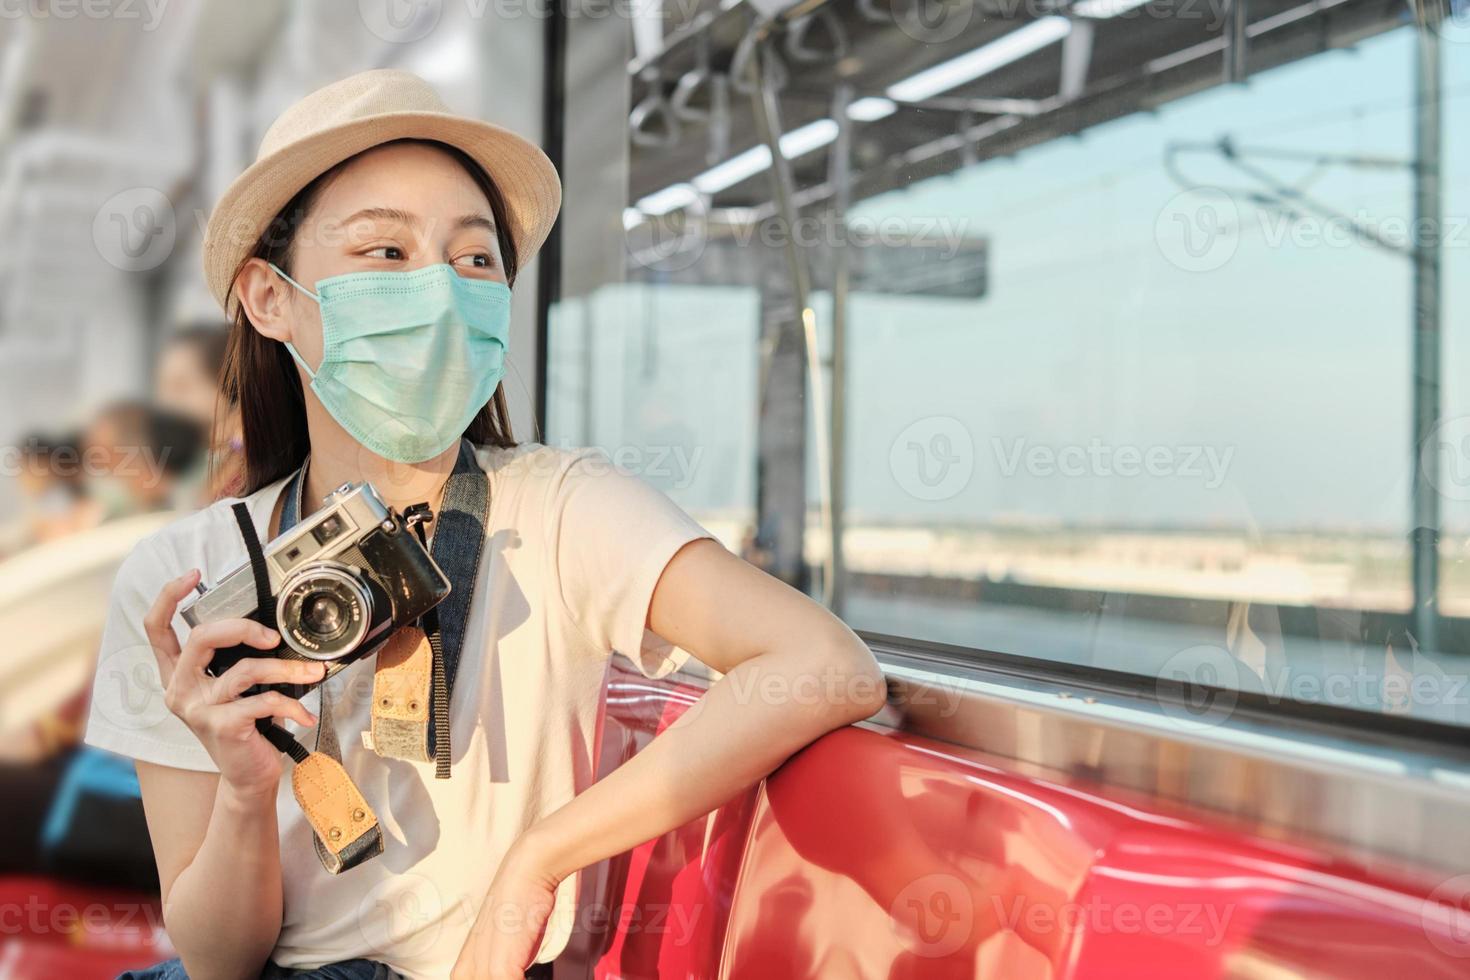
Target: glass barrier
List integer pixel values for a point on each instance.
(1138, 330)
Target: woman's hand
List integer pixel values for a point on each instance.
(508, 930)
(212, 707)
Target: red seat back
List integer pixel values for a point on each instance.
(873, 854)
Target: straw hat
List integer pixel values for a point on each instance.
(356, 114)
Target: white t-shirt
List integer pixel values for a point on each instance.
(575, 548)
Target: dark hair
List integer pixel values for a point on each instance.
(44, 445)
(175, 441)
(259, 376)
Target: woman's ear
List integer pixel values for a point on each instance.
(266, 299)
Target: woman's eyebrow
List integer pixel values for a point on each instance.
(382, 214)
(475, 221)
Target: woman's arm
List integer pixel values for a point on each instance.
(793, 672)
(219, 862)
(214, 834)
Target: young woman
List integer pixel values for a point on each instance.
(365, 260)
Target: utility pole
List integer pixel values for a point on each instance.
(1427, 249)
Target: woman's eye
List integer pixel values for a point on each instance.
(390, 252)
(479, 260)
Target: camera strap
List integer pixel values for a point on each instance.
(458, 545)
(414, 675)
(345, 830)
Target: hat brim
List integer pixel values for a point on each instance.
(526, 179)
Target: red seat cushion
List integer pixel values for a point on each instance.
(53, 928)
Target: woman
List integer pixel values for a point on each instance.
(365, 259)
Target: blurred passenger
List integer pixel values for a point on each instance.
(139, 459)
(187, 379)
(53, 499)
(188, 383)
(71, 810)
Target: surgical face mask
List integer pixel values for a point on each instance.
(408, 358)
(112, 495)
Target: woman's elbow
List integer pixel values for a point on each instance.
(856, 688)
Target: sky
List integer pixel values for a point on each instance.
(1266, 378)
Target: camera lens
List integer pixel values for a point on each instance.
(324, 611)
(323, 615)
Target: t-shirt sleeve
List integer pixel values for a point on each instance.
(128, 715)
(611, 536)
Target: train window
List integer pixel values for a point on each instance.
(1121, 334)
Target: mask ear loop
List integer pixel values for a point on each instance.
(315, 299)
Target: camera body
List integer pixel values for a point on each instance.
(342, 581)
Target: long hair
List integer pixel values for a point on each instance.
(260, 378)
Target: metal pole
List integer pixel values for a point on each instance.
(768, 122)
(1237, 41)
(841, 171)
(1428, 261)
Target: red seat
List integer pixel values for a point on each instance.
(885, 855)
(54, 929)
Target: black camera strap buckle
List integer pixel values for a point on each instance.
(416, 516)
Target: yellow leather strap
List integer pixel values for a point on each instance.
(402, 683)
(344, 823)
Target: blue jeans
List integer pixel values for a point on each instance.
(346, 970)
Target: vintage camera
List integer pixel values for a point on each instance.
(342, 581)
